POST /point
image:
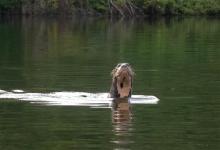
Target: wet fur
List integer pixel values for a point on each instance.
(119, 81)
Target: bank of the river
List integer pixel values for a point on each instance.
(111, 7)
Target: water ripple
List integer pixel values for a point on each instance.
(73, 98)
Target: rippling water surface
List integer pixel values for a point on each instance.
(55, 75)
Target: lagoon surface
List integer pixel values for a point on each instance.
(177, 60)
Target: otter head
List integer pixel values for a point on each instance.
(122, 76)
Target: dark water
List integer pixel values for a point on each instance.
(176, 60)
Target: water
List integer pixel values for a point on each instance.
(74, 98)
(176, 60)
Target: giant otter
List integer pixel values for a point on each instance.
(122, 78)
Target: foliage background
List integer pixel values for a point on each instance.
(113, 7)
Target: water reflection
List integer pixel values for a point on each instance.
(122, 122)
(178, 61)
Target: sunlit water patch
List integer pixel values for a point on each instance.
(73, 98)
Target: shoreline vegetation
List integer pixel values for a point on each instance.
(118, 8)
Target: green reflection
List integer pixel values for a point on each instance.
(176, 60)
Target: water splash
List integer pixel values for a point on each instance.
(72, 98)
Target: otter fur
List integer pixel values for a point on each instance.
(122, 80)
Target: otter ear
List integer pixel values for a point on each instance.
(132, 72)
(113, 72)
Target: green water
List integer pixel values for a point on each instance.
(177, 60)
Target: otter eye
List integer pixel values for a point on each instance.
(118, 65)
(127, 65)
